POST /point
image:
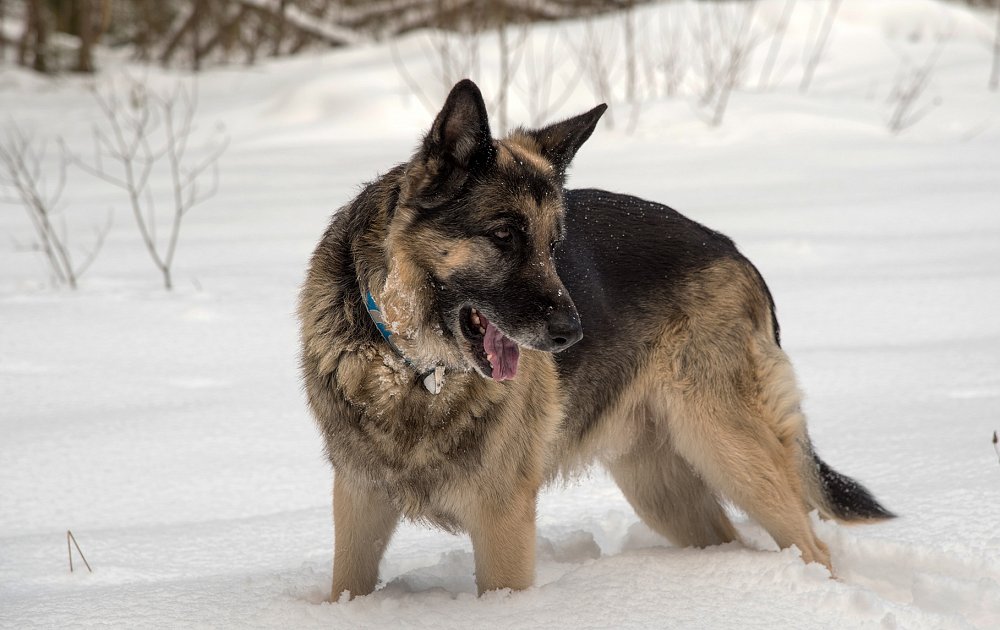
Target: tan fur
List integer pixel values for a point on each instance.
(669, 495)
(518, 146)
(734, 407)
(503, 537)
(364, 527)
(715, 414)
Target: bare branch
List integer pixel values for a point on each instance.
(820, 45)
(137, 118)
(672, 47)
(776, 40)
(212, 190)
(540, 72)
(21, 164)
(598, 60)
(210, 160)
(727, 40)
(101, 232)
(909, 88)
(414, 85)
(56, 195)
(995, 68)
(99, 173)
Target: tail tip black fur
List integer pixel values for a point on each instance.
(846, 498)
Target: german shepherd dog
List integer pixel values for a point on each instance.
(472, 330)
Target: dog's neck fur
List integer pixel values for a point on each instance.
(398, 285)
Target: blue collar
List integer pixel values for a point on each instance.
(432, 379)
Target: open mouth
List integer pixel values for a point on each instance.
(495, 353)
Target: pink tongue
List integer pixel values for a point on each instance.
(501, 351)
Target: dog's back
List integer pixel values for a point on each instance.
(679, 384)
(626, 261)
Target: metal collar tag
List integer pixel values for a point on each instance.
(434, 380)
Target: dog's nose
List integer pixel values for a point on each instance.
(564, 329)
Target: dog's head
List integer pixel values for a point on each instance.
(475, 227)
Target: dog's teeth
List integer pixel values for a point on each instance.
(475, 319)
(482, 331)
(474, 311)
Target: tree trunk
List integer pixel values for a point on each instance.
(279, 29)
(995, 71)
(831, 14)
(24, 44)
(85, 22)
(105, 22)
(198, 12)
(177, 38)
(505, 76)
(3, 40)
(36, 22)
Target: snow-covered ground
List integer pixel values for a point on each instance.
(169, 432)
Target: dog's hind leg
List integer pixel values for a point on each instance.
(669, 497)
(363, 523)
(735, 418)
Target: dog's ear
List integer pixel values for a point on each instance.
(460, 135)
(560, 141)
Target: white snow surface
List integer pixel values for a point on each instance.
(170, 433)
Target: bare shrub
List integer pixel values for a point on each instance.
(777, 39)
(628, 19)
(909, 88)
(597, 55)
(995, 68)
(726, 40)
(670, 52)
(205, 30)
(819, 45)
(416, 87)
(23, 182)
(545, 83)
(142, 129)
(453, 55)
(458, 54)
(510, 49)
(32, 49)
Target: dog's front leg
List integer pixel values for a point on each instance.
(363, 523)
(503, 539)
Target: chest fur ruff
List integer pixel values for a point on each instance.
(420, 449)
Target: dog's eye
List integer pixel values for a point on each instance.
(503, 236)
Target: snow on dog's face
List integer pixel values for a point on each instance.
(480, 219)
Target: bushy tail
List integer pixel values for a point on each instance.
(838, 496)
